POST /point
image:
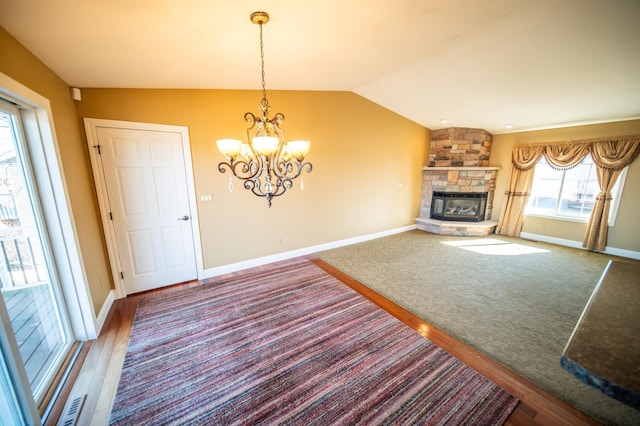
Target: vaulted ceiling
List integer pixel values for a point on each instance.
(526, 63)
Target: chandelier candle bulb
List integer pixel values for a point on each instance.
(285, 154)
(265, 145)
(230, 148)
(299, 149)
(246, 152)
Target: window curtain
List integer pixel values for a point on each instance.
(610, 156)
(523, 160)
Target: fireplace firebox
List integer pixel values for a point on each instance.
(459, 206)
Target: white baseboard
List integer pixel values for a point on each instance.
(577, 244)
(234, 267)
(104, 311)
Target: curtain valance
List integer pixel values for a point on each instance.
(609, 153)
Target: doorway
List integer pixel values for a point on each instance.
(145, 188)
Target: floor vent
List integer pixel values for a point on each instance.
(72, 411)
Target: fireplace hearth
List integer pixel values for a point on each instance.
(458, 206)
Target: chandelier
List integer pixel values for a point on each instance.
(265, 164)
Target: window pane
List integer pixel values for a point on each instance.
(545, 189)
(580, 190)
(569, 194)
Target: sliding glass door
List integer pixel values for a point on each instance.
(31, 298)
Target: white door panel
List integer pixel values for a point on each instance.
(147, 191)
(143, 258)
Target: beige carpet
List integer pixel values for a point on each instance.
(514, 300)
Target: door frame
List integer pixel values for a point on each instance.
(91, 126)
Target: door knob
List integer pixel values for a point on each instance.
(185, 217)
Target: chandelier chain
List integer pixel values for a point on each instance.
(264, 101)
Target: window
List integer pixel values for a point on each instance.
(569, 194)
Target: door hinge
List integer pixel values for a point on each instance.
(110, 216)
(99, 151)
(122, 275)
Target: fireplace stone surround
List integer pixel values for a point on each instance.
(459, 163)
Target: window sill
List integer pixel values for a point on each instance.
(555, 217)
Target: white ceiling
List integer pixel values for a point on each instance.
(531, 63)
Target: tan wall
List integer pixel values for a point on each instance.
(367, 165)
(19, 64)
(625, 234)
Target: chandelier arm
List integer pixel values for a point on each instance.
(308, 165)
(253, 186)
(282, 186)
(286, 184)
(283, 169)
(279, 188)
(250, 119)
(290, 170)
(243, 170)
(276, 121)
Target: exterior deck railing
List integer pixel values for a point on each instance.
(20, 265)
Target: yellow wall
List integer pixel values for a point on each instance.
(366, 178)
(367, 165)
(19, 64)
(625, 234)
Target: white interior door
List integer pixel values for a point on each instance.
(147, 194)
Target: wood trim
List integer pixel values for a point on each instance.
(61, 390)
(537, 403)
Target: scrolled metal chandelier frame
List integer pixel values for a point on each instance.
(266, 164)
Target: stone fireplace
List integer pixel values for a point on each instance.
(458, 182)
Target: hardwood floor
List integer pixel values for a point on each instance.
(100, 372)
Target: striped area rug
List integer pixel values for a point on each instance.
(291, 345)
